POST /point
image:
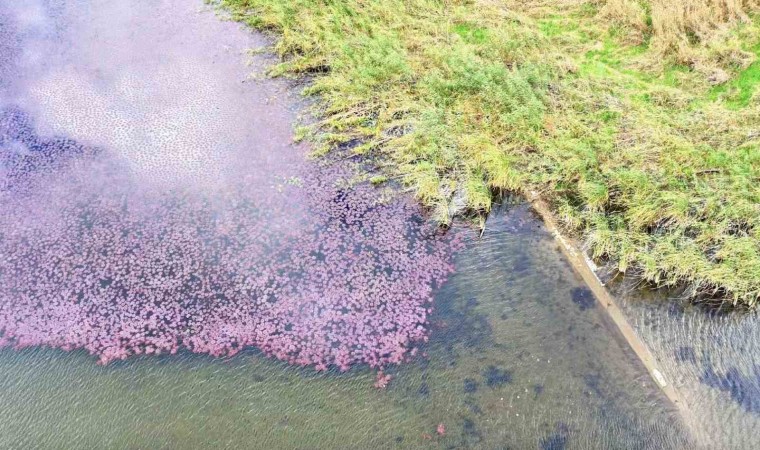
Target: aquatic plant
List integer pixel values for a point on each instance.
(382, 380)
(316, 273)
(558, 440)
(497, 377)
(743, 389)
(583, 298)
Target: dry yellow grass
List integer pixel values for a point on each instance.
(677, 26)
(692, 31)
(629, 15)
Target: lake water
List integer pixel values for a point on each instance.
(513, 362)
(154, 203)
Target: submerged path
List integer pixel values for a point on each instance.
(156, 211)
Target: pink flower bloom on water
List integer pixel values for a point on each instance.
(381, 382)
(316, 275)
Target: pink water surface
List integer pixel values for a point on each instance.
(152, 201)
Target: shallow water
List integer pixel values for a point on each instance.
(513, 362)
(169, 136)
(713, 359)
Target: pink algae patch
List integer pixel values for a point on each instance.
(308, 272)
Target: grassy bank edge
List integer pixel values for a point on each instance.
(544, 127)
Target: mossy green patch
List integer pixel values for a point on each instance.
(739, 91)
(470, 33)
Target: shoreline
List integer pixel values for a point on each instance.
(584, 267)
(461, 103)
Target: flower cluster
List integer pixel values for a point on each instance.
(309, 272)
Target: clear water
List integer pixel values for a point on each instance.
(519, 354)
(712, 359)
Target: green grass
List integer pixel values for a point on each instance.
(739, 91)
(657, 171)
